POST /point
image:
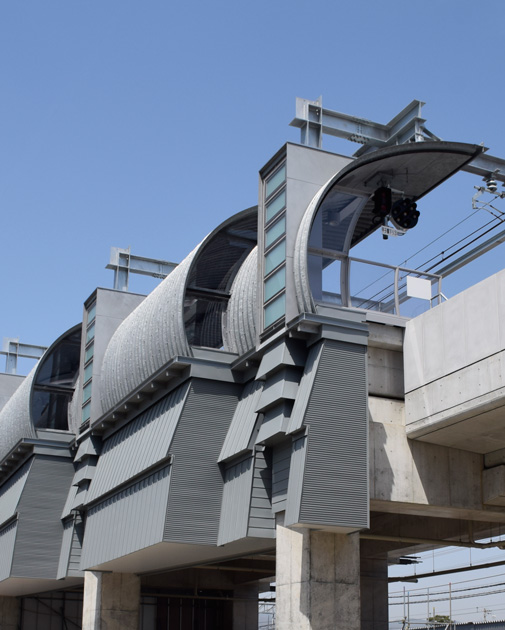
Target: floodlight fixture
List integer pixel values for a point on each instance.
(404, 214)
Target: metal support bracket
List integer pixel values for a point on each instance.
(408, 126)
(12, 349)
(123, 263)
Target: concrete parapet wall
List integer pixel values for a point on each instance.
(454, 358)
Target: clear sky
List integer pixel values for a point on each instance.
(144, 124)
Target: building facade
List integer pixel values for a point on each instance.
(255, 420)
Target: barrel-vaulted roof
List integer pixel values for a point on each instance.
(345, 202)
(185, 309)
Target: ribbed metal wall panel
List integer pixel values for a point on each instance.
(241, 428)
(236, 500)
(305, 389)
(89, 447)
(11, 491)
(69, 502)
(7, 540)
(196, 489)
(295, 482)
(74, 562)
(281, 461)
(66, 546)
(335, 487)
(148, 338)
(40, 531)
(261, 517)
(15, 420)
(126, 521)
(239, 329)
(142, 443)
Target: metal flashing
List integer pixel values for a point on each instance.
(140, 444)
(239, 434)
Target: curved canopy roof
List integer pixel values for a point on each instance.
(345, 204)
(239, 331)
(42, 400)
(184, 310)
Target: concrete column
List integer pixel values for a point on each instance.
(374, 590)
(9, 613)
(318, 586)
(245, 613)
(111, 601)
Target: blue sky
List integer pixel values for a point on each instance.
(144, 124)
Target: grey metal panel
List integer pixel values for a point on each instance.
(85, 472)
(274, 422)
(69, 502)
(282, 385)
(15, 421)
(305, 389)
(239, 434)
(127, 521)
(75, 409)
(8, 385)
(40, 531)
(197, 484)
(74, 561)
(66, 545)
(11, 492)
(261, 517)
(236, 500)
(286, 352)
(239, 323)
(142, 443)
(7, 540)
(89, 447)
(336, 475)
(295, 482)
(281, 462)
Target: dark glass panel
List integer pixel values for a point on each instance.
(61, 364)
(50, 410)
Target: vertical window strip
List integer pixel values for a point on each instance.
(275, 310)
(275, 180)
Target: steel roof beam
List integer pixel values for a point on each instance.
(408, 126)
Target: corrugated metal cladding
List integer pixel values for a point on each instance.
(335, 488)
(70, 556)
(281, 461)
(15, 420)
(7, 540)
(305, 389)
(196, 488)
(295, 483)
(261, 517)
(11, 491)
(40, 531)
(126, 521)
(239, 434)
(236, 500)
(142, 443)
(66, 545)
(239, 331)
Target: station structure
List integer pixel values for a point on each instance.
(256, 420)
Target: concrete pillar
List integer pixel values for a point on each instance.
(245, 612)
(317, 580)
(9, 613)
(374, 590)
(111, 601)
